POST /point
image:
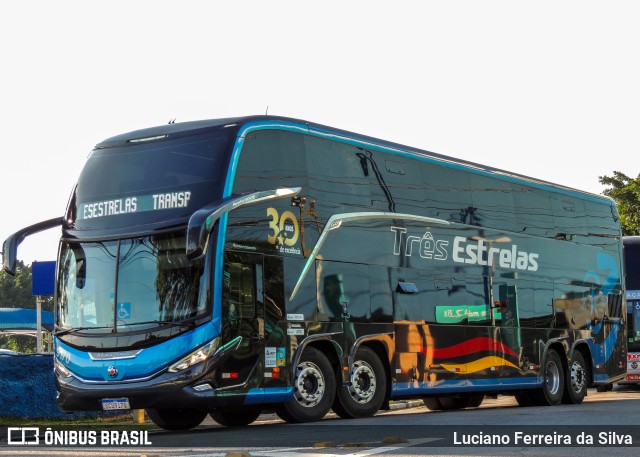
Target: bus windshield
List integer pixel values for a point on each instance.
(632, 280)
(130, 284)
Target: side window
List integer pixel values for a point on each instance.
(242, 291)
(543, 296)
(447, 194)
(396, 182)
(533, 214)
(304, 301)
(337, 178)
(457, 301)
(343, 287)
(273, 291)
(603, 220)
(406, 295)
(506, 304)
(478, 307)
(239, 291)
(526, 304)
(381, 295)
(494, 202)
(569, 216)
(573, 306)
(269, 159)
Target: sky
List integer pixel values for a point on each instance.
(547, 89)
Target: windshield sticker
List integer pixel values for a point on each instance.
(270, 357)
(136, 204)
(124, 310)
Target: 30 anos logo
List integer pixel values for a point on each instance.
(285, 228)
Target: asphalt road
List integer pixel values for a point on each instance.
(605, 424)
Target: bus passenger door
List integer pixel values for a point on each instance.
(506, 313)
(243, 315)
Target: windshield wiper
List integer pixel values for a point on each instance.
(75, 329)
(172, 323)
(191, 324)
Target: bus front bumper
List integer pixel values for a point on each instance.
(191, 388)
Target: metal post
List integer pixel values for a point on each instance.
(39, 301)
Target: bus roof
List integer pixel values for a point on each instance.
(323, 130)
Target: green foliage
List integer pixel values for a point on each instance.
(24, 344)
(626, 192)
(15, 292)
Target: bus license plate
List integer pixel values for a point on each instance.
(111, 404)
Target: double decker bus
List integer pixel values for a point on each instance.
(632, 280)
(229, 266)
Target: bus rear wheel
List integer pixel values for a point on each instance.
(368, 384)
(235, 418)
(176, 419)
(552, 389)
(576, 381)
(314, 388)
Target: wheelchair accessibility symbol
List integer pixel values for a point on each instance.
(124, 310)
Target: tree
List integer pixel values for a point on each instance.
(15, 292)
(626, 193)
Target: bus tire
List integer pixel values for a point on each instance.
(605, 388)
(365, 395)
(454, 402)
(552, 389)
(235, 417)
(576, 381)
(433, 403)
(524, 398)
(475, 401)
(314, 388)
(448, 403)
(176, 419)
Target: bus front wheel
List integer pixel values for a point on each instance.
(449, 402)
(314, 389)
(176, 419)
(368, 384)
(235, 418)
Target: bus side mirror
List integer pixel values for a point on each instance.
(202, 222)
(10, 245)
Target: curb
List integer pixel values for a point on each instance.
(406, 404)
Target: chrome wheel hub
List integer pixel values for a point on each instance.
(577, 377)
(363, 382)
(309, 384)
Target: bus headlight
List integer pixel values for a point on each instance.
(199, 355)
(60, 369)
